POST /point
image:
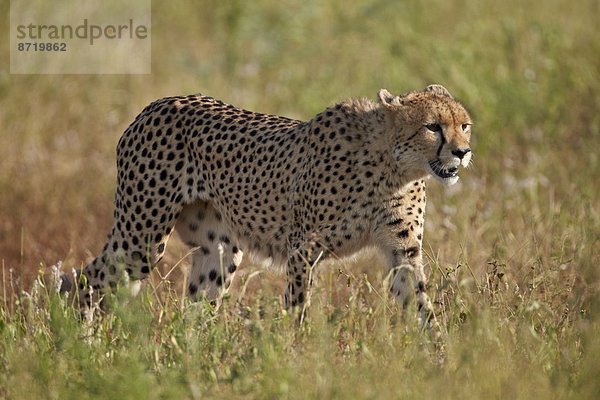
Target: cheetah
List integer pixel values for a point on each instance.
(232, 181)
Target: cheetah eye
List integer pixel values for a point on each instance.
(465, 127)
(434, 127)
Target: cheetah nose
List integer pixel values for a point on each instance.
(460, 153)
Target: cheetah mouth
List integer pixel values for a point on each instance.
(446, 174)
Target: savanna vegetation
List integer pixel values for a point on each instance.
(512, 250)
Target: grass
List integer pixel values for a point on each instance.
(512, 250)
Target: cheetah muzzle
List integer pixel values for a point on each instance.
(442, 171)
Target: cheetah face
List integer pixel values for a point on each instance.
(430, 132)
(453, 150)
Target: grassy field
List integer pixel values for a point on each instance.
(512, 251)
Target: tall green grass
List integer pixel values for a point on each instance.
(157, 347)
(512, 250)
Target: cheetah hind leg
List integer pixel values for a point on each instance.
(215, 257)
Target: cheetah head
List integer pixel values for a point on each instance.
(430, 132)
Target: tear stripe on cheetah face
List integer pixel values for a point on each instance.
(295, 191)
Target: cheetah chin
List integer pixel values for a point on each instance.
(447, 173)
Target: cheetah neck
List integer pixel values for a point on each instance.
(396, 173)
(365, 138)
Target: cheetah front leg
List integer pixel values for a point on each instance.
(407, 276)
(216, 256)
(302, 261)
(399, 235)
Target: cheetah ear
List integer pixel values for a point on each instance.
(388, 99)
(439, 90)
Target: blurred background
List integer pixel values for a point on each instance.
(529, 72)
